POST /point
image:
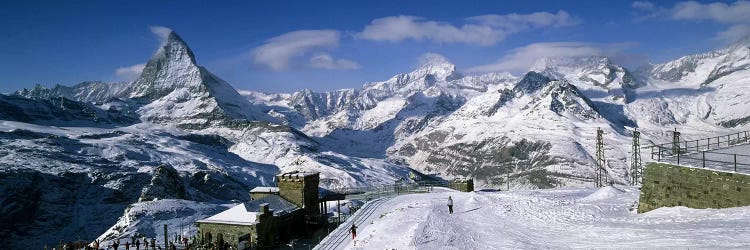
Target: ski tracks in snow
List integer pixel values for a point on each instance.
(443, 230)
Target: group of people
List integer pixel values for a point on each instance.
(136, 243)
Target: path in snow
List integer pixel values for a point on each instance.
(555, 218)
(341, 237)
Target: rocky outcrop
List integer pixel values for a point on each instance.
(166, 183)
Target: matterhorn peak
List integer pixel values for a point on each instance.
(173, 64)
(174, 47)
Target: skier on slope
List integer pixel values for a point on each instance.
(353, 230)
(450, 205)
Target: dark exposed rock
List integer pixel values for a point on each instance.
(166, 183)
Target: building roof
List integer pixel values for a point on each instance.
(236, 215)
(297, 174)
(245, 213)
(280, 206)
(329, 195)
(265, 190)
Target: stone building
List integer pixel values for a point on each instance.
(260, 192)
(272, 216)
(462, 184)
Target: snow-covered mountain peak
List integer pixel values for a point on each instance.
(531, 82)
(172, 66)
(436, 65)
(591, 73)
(175, 47)
(549, 63)
(706, 67)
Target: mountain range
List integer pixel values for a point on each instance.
(75, 158)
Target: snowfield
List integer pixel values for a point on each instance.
(553, 218)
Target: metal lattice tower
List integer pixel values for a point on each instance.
(601, 175)
(636, 165)
(675, 142)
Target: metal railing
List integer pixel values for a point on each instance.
(706, 152)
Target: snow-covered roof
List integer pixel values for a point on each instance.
(245, 213)
(265, 190)
(236, 215)
(297, 174)
(280, 206)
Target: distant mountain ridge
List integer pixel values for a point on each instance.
(179, 131)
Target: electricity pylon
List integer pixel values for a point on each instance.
(601, 175)
(636, 165)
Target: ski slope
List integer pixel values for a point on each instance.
(554, 218)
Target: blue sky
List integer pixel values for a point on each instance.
(284, 46)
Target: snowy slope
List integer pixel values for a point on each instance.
(555, 218)
(596, 75)
(703, 94)
(540, 131)
(85, 91)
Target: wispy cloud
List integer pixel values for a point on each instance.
(519, 60)
(644, 5)
(131, 72)
(481, 30)
(278, 53)
(326, 61)
(160, 31)
(736, 12)
(735, 15)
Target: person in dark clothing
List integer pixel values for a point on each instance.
(450, 205)
(137, 245)
(127, 245)
(116, 244)
(353, 230)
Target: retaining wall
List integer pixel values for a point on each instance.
(667, 185)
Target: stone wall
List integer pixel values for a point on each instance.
(667, 185)
(255, 196)
(229, 233)
(292, 190)
(300, 190)
(463, 185)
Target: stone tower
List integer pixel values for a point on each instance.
(301, 189)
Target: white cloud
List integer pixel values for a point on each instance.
(735, 15)
(278, 52)
(160, 31)
(130, 73)
(432, 58)
(326, 61)
(520, 59)
(734, 33)
(482, 30)
(644, 5)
